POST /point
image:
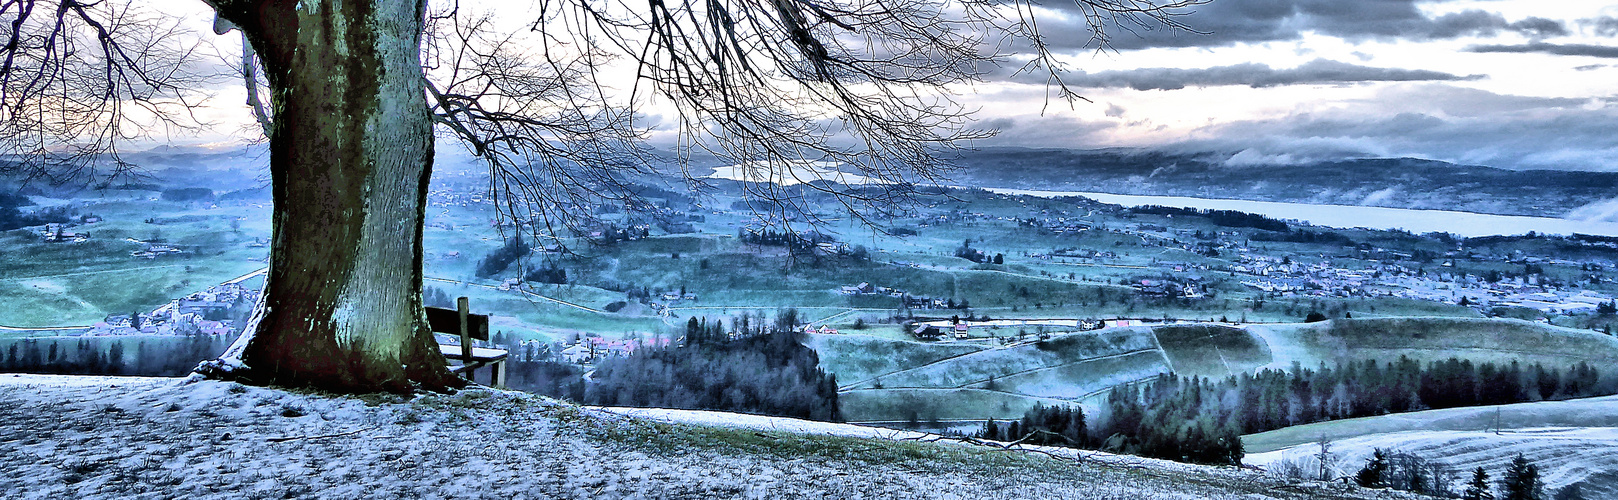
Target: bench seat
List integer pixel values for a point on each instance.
(467, 326)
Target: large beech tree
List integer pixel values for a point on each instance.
(356, 89)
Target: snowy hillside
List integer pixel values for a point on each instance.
(100, 437)
(1583, 450)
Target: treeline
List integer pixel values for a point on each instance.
(537, 368)
(12, 218)
(1226, 218)
(792, 241)
(1272, 399)
(1163, 420)
(1191, 419)
(1043, 425)
(1521, 480)
(551, 273)
(1322, 237)
(1159, 422)
(769, 374)
(188, 194)
(150, 356)
(501, 258)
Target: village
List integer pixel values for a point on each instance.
(218, 310)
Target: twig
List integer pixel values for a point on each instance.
(340, 434)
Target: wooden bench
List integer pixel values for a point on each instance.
(460, 321)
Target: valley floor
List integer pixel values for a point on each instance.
(101, 437)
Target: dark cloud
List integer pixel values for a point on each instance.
(1046, 131)
(1434, 120)
(1589, 67)
(1569, 49)
(1458, 125)
(1539, 27)
(1225, 22)
(1318, 71)
(1602, 26)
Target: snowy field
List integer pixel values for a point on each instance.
(1583, 448)
(106, 437)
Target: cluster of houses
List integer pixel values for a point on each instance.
(1532, 291)
(866, 289)
(961, 330)
(152, 250)
(205, 310)
(1166, 288)
(1557, 303)
(910, 301)
(591, 349)
(58, 233)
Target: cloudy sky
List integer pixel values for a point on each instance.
(1507, 83)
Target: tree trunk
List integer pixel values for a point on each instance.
(350, 157)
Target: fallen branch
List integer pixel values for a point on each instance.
(340, 434)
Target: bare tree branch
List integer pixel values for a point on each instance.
(78, 78)
(792, 92)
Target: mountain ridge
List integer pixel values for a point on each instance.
(1386, 182)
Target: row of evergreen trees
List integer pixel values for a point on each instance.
(1165, 420)
(1043, 425)
(12, 218)
(1191, 419)
(1148, 423)
(150, 356)
(538, 368)
(1402, 471)
(1227, 218)
(772, 374)
(1272, 399)
(501, 258)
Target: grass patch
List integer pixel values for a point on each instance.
(671, 439)
(855, 358)
(1084, 378)
(1434, 339)
(980, 366)
(898, 405)
(1211, 351)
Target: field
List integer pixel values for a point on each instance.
(1078, 368)
(1211, 351)
(979, 367)
(884, 380)
(74, 284)
(1086, 378)
(1430, 339)
(898, 405)
(859, 358)
(1571, 441)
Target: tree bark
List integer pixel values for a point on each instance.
(350, 156)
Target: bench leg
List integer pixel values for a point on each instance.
(499, 374)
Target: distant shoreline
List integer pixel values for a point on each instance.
(1465, 224)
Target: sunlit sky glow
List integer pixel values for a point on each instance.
(1506, 83)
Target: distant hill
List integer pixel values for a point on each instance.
(1385, 182)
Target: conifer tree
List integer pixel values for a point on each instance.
(1373, 475)
(1521, 481)
(1478, 487)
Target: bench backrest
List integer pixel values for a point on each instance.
(449, 321)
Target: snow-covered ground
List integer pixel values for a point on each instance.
(106, 437)
(1583, 450)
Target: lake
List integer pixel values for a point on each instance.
(1465, 224)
